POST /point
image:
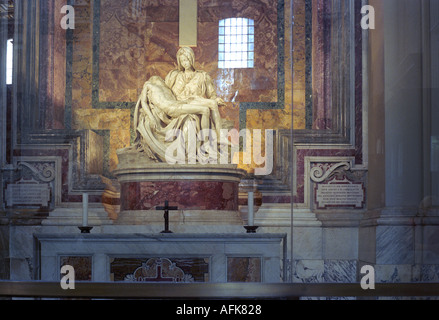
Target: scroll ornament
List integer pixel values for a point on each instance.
(319, 175)
(47, 174)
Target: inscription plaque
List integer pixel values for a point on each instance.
(27, 193)
(340, 194)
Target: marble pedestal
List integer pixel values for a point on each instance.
(202, 193)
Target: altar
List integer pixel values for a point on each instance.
(172, 258)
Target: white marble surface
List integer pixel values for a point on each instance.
(395, 245)
(308, 271)
(393, 273)
(280, 215)
(325, 271)
(367, 244)
(72, 216)
(340, 271)
(340, 243)
(430, 245)
(307, 242)
(135, 167)
(429, 273)
(181, 217)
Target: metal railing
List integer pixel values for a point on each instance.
(119, 290)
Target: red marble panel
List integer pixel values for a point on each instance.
(193, 195)
(136, 42)
(133, 47)
(82, 58)
(321, 62)
(82, 266)
(245, 269)
(53, 65)
(358, 84)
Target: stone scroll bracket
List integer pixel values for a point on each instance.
(323, 171)
(44, 172)
(32, 185)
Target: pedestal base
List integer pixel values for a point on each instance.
(202, 193)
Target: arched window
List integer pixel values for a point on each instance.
(9, 61)
(236, 43)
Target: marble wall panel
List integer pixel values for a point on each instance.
(299, 50)
(367, 244)
(395, 245)
(264, 117)
(308, 271)
(81, 265)
(81, 63)
(186, 194)
(130, 42)
(431, 245)
(429, 273)
(4, 252)
(49, 49)
(307, 243)
(244, 269)
(299, 65)
(393, 273)
(52, 66)
(131, 47)
(325, 271)
(340, 243)
(340, 271)
(321, 64)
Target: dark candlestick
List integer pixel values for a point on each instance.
(85, 229)
(251, 229)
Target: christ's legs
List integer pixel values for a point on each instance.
(213, 106)
(194, 109)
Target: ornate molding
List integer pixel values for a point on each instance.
(46, 174)
(318, 173)
(159, 270)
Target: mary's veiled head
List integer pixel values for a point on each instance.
(188, 53)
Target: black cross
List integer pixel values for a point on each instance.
(166, 216)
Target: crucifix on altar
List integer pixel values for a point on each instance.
(166, 208)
